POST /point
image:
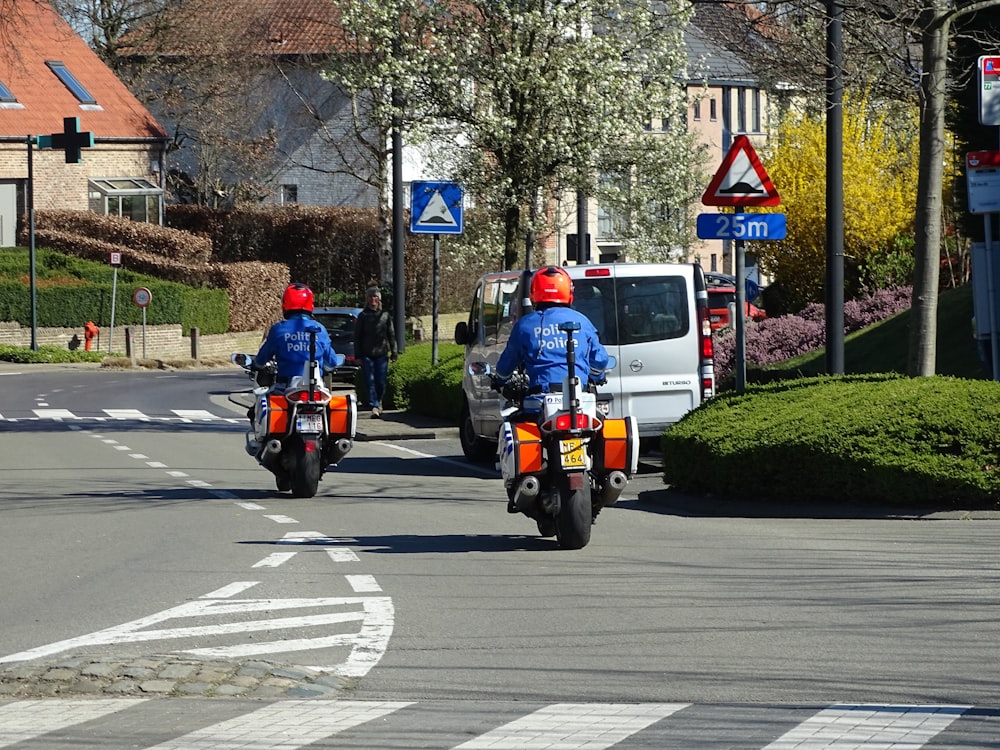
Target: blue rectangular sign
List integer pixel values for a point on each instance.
(741, 226)
(436, 208)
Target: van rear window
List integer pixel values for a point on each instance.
(648, 309)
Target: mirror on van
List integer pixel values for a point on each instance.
(612, 363)
(462, 333)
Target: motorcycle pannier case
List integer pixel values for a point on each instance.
(521, 449)
(617, 446)
(343, 415)
(277, 414)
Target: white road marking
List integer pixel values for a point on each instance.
(466, 466)
(363, 583)
(572, 726)
(287, 725)
(126, 414)
(376, 616)
(314, 538)
(250, 506)
(189, 414)
(281, 519)
(156, 464)
(122, 448)
(231, 590)
(198, 483)
(54, 413)
(274, 560)
(852, 726)
(342, 554)
(28, 719)
(137, 455)
(177, 474)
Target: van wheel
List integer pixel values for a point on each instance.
(476, 449)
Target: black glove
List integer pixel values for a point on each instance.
(497, 383)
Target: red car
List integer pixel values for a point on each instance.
(719, 300)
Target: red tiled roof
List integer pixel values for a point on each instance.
(35, 33)
(251, 27)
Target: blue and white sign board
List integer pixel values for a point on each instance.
(436, 208)
(740, 226)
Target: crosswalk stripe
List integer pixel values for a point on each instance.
(592, 726)
(854, 726)
(26, 720)
(126, 414)
(287, 725)
(194, 414)
(55, 414)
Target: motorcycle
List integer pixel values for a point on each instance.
(298, 431)
(562, 461)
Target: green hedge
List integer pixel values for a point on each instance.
(415, 385)
(70, 291)
(863, 438)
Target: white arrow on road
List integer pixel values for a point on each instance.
(332, 546)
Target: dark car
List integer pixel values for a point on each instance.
(340, 323)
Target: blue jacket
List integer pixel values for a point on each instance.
(288, 343)
(537, 343)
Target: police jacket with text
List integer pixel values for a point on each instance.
(288, 343)
(537, 343)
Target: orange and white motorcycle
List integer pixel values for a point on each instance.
(298, 431)
(561, 460)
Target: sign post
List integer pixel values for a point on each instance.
(142, 297)
(436, 208)
(116, 260)
(741, 181)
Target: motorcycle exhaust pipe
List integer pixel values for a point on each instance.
(526, 494)
(613, 487)
(272, 447)
(339, 449)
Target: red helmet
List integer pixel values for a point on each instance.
(551, 284)
(297, 298)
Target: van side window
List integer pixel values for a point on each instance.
(595, 298)
(474, 326)
(492, 311)
(508, 308)
(652, 309)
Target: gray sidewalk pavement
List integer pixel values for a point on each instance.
(403, 425)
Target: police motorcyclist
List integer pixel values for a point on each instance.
(537, 343)
(287, 341)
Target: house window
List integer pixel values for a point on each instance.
(7, 99)
(741, 110)
(696, 110)
(69, 80)
(713, 110)
(289, 194)
(755, 111)
(131, 197)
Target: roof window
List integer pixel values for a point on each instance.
(7, 99)
(69, 80)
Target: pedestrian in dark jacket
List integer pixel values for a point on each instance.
(374, 345)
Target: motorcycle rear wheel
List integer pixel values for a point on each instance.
(305, 471)
(573, 522)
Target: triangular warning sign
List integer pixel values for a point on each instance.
(741, 180)
(437, 213)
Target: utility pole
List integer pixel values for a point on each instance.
(834, 189)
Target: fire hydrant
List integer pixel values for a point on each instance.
(90, 331)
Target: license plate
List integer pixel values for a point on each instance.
(572, 454)
(308, 422)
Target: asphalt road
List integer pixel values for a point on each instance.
(138, 532)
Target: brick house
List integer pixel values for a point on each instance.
(47, 74)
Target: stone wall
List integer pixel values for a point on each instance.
(161, 342)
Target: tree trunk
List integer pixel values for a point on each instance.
(923, 314)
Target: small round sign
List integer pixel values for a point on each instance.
(142, 296)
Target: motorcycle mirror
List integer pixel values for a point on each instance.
(240, 359)
(612, 362)
(479, 368)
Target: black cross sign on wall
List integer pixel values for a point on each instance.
(71, 140)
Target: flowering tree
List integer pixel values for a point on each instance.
(880, 187)
(528, 99)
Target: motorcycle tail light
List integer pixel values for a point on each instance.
(306, 396)
(562, 422)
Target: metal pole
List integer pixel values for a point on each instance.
(434, 298)
(114, 293)
(741, 326)
(834, 191)
(144, 332)
(31, 244)
(582, 220)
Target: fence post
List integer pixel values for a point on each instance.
(195, 334)
(130, 344)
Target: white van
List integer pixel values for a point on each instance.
(652, 317)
